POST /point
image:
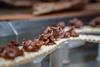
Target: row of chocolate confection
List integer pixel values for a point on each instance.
(78, 23)
(48, 37)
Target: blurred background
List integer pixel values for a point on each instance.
(21, 19)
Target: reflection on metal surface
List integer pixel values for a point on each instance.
(14, 30)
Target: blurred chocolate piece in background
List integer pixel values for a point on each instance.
(77, 23)
(95, 22)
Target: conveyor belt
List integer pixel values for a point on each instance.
(89, 38)
(44, 51)
(87, 29)
(30, 56)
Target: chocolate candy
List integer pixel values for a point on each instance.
(71, 33)
(76, 23)
(95, 22)
(10, 52)
(32, 46)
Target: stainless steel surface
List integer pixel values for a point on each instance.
(84, 56)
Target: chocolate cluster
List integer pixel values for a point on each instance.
(76, 23)
(71, 33)
(10, 52)
(32, 46)
(95, 22)
(52, 33)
